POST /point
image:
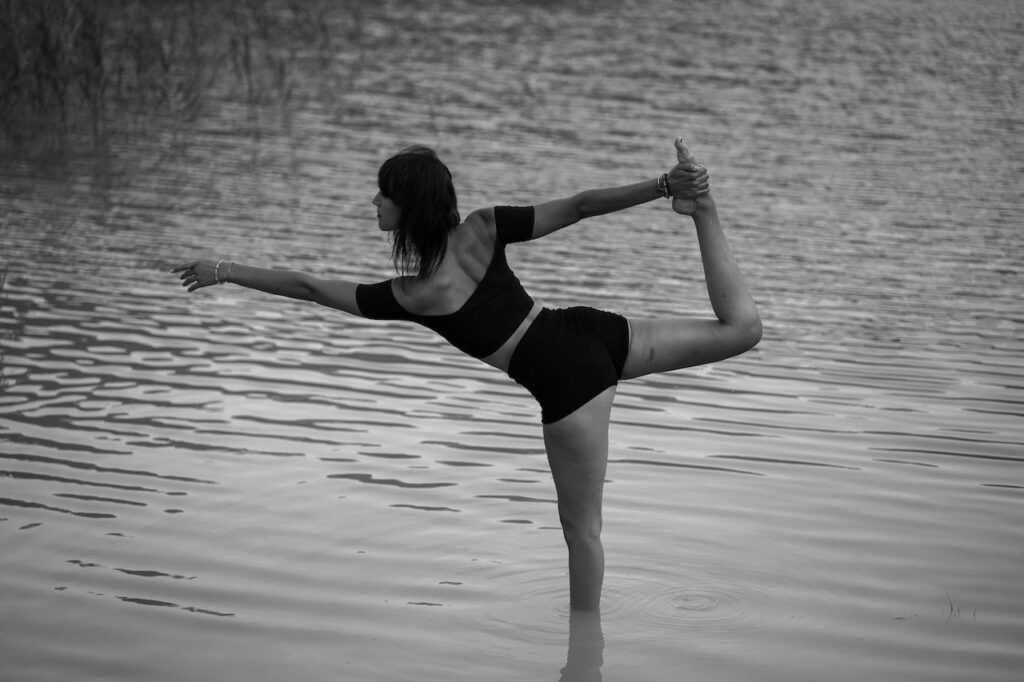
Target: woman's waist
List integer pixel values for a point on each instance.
(502, 357)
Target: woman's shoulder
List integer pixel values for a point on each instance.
(481, 220)
(488, 218)
(504, 224)
(476, 231)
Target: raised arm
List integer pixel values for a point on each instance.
(339, 294)
(686, 179)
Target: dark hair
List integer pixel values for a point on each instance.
(421, 185)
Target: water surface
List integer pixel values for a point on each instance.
(229, 486)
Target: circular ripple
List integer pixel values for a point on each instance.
(653, 604)
(650, 602)
(693, 601)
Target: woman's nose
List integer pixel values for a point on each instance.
(376, 199)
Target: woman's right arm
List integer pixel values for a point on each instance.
(339, 294)
(690, 180)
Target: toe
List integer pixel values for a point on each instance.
(683, 153)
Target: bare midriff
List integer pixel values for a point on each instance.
(503, 356)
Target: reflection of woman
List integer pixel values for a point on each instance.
(456, 281)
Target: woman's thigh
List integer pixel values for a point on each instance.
(663, 345)
(577, 447)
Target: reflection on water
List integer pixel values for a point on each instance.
(225, 486)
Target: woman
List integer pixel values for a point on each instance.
(454, 279)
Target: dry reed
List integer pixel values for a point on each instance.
(73, 62)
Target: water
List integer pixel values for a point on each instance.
(228, 486)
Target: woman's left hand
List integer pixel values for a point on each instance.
(197, 274)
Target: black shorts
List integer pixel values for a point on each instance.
(568, 356)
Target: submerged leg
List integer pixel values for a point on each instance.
(586, 648)
(577, 448)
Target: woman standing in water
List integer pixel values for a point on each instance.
(455, 280)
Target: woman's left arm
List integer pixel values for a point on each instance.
(339, 294)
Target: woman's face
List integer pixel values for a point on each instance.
(388, 213)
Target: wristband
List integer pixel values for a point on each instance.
(663, 186)
(216, 272)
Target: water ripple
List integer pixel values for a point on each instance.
(774, 510)
(369, 478)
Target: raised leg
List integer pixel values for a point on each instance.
(577, 448)
(667, 344)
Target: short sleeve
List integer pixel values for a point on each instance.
(513, 223)
(377, 301)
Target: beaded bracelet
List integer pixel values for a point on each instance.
(663, 186)
(216, 272)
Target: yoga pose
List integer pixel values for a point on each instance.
(454, 279)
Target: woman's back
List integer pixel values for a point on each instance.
(467, 258)
(472, 298)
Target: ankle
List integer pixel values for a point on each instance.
(705, 205)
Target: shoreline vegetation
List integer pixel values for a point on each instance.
(4, 382)
(95, 65)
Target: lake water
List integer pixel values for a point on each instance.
(228, 486)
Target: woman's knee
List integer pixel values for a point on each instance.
(581, 531)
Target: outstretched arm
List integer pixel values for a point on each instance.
(688, 180)
(339, 294)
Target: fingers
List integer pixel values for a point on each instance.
(688, 167)
(688, 174)
(689, 180)
(189, 276)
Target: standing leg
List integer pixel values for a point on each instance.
(577, 447)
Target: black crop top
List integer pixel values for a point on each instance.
(493, 311)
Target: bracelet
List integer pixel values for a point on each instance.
(663, 186)
(216, 271)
